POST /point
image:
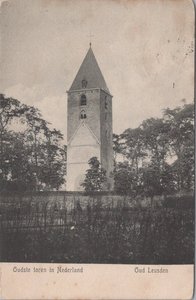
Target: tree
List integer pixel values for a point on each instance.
(52, 168)
(157, 182)
(9, 109)
(181, 138)
(118, 146)
(32, 158)
(156, 141)
(125, 179)
(158, 155)
(95, 178)
(134, 149)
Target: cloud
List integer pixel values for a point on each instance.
(148, 63)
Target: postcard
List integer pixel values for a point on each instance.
(97, 149)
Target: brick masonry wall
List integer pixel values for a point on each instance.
(92, 111)
(98, 110)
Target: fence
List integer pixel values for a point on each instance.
(93, 231)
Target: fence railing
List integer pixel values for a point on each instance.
(52, 232)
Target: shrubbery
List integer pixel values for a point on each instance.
(98, 235)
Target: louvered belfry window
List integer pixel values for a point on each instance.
(83, 100)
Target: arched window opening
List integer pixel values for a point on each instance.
(83, 100)
(83, 114)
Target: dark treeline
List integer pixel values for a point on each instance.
(32, 156)
(157, 158)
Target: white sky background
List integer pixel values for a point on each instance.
(144, 49)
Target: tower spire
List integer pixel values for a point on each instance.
(90, 71)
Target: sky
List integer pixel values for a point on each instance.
(144, 50)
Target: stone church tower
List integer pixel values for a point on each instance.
(89, 124)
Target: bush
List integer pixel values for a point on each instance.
(98, 234)
(185, 201)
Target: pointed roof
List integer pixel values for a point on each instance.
(91, 73)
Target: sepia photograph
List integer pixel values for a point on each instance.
(97, 133)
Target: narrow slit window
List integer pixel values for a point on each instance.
(106, 103)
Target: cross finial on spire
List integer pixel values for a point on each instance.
(90, 36)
